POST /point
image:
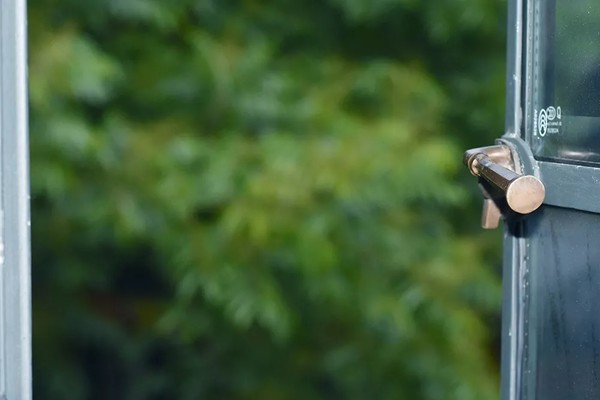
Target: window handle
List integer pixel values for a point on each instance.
(494, 166)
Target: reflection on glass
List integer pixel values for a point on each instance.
(563, 120)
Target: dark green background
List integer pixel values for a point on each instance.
(263, 199)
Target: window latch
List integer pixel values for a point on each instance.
(503, 188)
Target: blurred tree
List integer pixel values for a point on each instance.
(249, 199)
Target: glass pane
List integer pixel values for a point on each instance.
(563, 117)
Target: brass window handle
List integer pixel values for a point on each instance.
(494, 165)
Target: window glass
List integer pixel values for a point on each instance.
(563, 116)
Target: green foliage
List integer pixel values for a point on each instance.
(238, 199)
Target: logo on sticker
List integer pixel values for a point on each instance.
(543, 123)
(547, 121)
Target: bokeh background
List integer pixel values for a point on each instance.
(248, 199)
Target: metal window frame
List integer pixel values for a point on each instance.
(15, 272)
(514, 246)
(567, 186)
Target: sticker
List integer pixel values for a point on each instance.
(547, 121)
